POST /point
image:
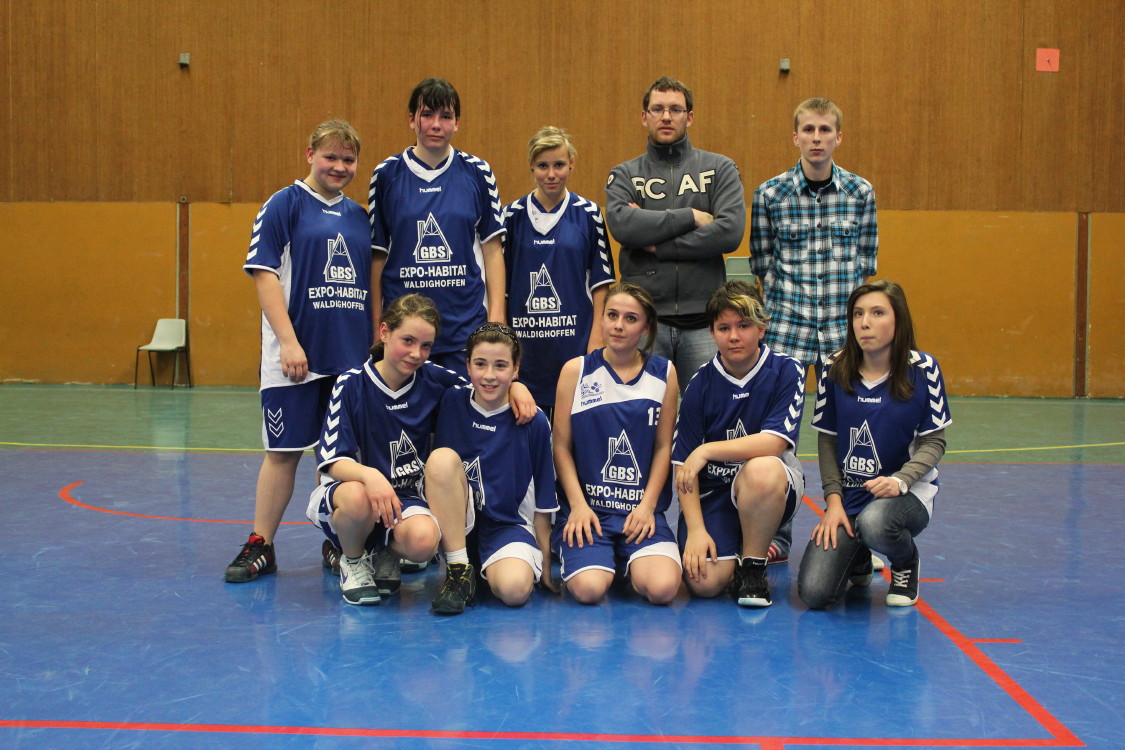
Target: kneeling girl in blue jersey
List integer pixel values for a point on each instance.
(492, 476)
(881, 412)
(372, 452)
(735, 459)
(615, 411)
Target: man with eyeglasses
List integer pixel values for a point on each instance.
(676, 210)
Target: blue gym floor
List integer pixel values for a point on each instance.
(123, 508)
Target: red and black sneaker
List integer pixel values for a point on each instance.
(255, 559)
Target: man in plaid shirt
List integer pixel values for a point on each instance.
(813, 239)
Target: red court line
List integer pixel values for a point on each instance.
(1060, 735)
(996, 640)
(765, 743)
(64, 493)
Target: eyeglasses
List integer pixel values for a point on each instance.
(674, 112)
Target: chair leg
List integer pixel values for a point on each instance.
(151, 372)
(175, 368)
(136, 366)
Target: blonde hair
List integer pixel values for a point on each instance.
(742, 297)
(335, 131)
(547, 138)
(822, 106)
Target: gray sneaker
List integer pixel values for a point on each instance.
(385, 563)
(357, 582)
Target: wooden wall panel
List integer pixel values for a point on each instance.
(1106, 331)
(225, 318)
(992, 296)
(83, 286)
(943, 108)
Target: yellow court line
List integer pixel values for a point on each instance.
(1012, 450)
(177, 449)
(260, 450)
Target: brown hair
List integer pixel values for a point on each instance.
(844, 369)
(408, 306)
(644, 299)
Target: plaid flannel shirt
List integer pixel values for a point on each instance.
(811, 250)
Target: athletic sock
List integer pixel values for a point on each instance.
(457, 556)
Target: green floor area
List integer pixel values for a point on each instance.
(228, 419)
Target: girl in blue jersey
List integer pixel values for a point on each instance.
(310, 257)
(881, 413)
(372, 451)
(558, 267)
(491, 476)
(737, 472)
(615, 411)
(435, 224)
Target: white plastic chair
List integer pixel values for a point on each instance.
(170, 336)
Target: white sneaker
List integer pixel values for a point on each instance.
(876, 563)
(357, 581)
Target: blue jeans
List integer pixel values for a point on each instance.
(688, 348)
(887, 525)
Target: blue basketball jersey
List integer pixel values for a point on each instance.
(613, 425)
(876, 434)
(431, 223)
(387, 430)
(555, 260)
(509, 466)
(321, 253)
(717, 406)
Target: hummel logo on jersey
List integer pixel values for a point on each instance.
(543, 298)
(339, 268)
(275, 422)
(862, 458)
(435, 189)
(431, 247)
(621, 465)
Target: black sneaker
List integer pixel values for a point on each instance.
(330, 557)
(753, 588)
(458, 590)
(904, 584)
(387, 575)
(255, 559)
(863, 570)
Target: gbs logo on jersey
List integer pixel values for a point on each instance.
(621, 465)
(862, 458)
(543, 297)
(339, 268)
(431, 247)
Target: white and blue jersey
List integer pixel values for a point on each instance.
(876, 434)
(382, 428)
(432, 223)
(717, 406)
(320, 251)
(614, 428)
(555, 260)
(509, 467)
